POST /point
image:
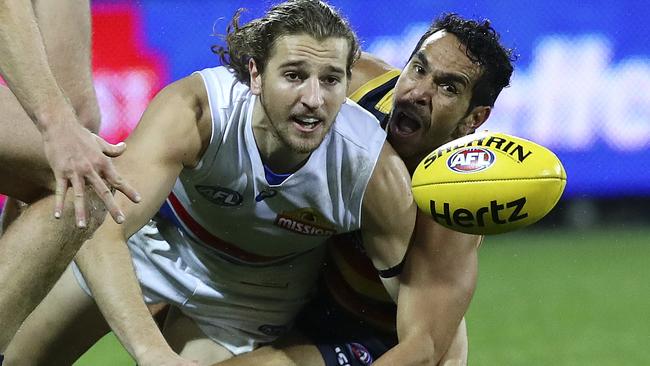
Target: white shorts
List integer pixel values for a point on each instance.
(236, 305)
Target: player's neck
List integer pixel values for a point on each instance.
(275, 154)
(282, 160)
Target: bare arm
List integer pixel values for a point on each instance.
(24, 64)
(68, 47)
(436, 287)
(438, 278)
(75, 155)
(388, 215)
(170, 135)
(456, 354)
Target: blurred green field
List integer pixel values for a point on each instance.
(563, 298)
(545, 298)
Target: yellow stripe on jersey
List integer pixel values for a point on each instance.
(385, 105)
(373, 84)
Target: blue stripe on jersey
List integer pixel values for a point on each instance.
(168, 214)
(274, 179)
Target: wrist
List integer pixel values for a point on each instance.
(87, 110)
(149, 346)
(51, 126)
(51, 117)
(153, 355)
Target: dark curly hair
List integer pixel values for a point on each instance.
(257, 38)
(483, 47)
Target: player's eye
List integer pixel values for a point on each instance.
(418, 69)
(291, 76)
(449, 88)
(331, 80)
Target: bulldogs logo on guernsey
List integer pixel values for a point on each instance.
(305, 221)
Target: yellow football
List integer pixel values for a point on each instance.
(488, 183)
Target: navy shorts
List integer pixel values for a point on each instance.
(343, 340)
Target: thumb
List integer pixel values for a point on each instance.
(111, 150)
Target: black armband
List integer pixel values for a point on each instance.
(393, 271)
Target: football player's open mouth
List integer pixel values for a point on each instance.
(306, 124)
(404, 124)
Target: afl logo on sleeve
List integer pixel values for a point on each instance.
(471, 160)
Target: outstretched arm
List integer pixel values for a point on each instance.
(436, 287)
(439, 274)
(76, 156)
(170, 135)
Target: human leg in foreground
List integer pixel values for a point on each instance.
(34, 251)
(37, 247)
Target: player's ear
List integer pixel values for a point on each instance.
(475, 119)
(256, 77)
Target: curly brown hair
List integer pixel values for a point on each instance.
(483, 46)
(256, 39)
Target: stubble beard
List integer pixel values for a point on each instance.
(283, 135)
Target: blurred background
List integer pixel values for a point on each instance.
(573, 289)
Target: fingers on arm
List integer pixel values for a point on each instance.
(106, 196)
(78, 186)
(61, 189)
(111, 150)
(110, 174)
(116, 181)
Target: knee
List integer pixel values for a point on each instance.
(10, 212)
(95, 213)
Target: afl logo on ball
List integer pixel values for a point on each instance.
(471, 160)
